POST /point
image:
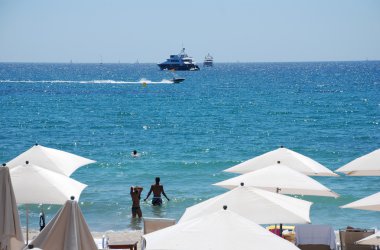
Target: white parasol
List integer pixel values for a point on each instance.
(254, 204)
(366, 165)
(67, 230)
(35, 185)
(373, 240)
(221, 230)
(51, 159)
(10, 228)
(281, 179)
(287, 157)
(371, 203)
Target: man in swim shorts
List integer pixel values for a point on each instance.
(136, 196)
(157, 189)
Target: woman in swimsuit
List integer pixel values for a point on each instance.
(136, 196)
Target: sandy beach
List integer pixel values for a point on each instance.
(119, 236)
(113, 236)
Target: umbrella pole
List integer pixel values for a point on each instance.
(278, 191)
(27, 223)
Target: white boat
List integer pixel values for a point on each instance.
(209, 61)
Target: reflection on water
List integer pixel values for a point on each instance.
(158, 211)
(155, 211)
(136, 224)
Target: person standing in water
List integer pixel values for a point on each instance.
(157, 189)
(136, 196)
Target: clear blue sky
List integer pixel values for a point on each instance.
(150, 30)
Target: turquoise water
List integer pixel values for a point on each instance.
(188, 133)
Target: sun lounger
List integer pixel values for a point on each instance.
(154, 224)
(315, 237)
(132, 245)
(314, 247)
(348, 237)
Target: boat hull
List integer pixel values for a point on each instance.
(179, 67)
(177, 80)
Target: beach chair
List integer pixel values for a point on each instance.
(314, 247)
(154, 224)
(348, 237)
(315, 237)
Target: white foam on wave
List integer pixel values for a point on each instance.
(103, 82)
(141, 81)
(39, 81)
(163, 81)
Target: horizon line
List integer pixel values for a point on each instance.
(71, 62)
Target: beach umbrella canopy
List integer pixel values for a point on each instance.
(287, 157)
(254, 204)
(281, 179)
(371, 203)
(67, 230)
(373, 240)
(220, 230)
(366, 165)
(34, 185)
(10, 228)
(51, 159)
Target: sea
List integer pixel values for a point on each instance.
(188, 133)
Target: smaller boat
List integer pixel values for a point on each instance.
(177, 80)
(209, 61)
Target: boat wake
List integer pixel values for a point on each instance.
(141, 81)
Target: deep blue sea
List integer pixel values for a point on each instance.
(188, 133)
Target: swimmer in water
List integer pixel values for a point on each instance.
(135, 154)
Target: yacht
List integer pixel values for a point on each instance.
(179, 62)
(209, 61)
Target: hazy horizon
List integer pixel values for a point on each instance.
(94, 31)
(198, 62)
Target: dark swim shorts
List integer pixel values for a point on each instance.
(156, 201)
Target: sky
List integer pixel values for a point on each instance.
(125, 31)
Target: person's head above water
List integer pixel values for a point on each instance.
(135, 154)
(157, 180)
